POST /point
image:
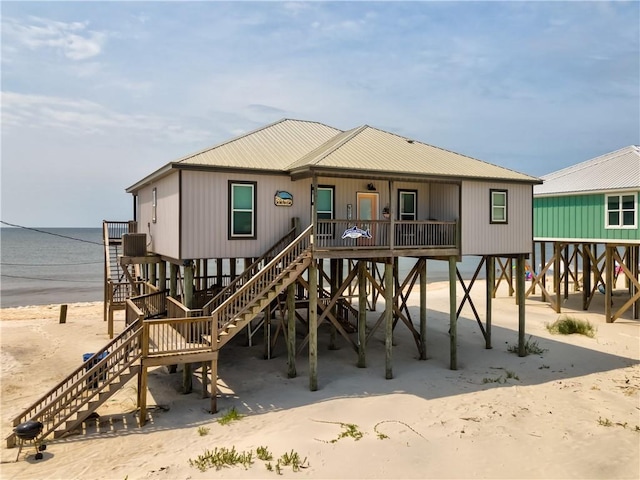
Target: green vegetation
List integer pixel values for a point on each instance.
(502, 378)
(567, 325)
(350, 430)
(202, 431)
(223, 457)
(231, 416)
(530, 348)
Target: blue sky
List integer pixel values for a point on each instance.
(96, 95)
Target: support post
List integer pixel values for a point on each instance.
(173, 280)
(490, 282)
(291, 330)
(333, 288)
(520, 291)
(453, 325)
(214, 383)
(557, 249)
(313, 326)
(142, 395)
(162, 276)
(423, 309)
(586, 275)
(63, 314)
(187, 379)
(362, 314)
(388, 314)
(608, 288)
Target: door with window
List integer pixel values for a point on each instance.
(367, 205)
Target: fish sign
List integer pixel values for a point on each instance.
(283, 199)
(355, 232)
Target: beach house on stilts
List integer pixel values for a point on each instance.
(297, 224)
(587, 214)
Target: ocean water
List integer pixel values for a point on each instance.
(66, 265)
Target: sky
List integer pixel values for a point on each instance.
(97, 95)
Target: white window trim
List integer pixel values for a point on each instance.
(619, 195)
(414, 194)
(492, 206)
(233, 210)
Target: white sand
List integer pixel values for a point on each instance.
(438, 423)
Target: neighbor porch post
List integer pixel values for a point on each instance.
(453, 317)
(520, 292)
(388, 314)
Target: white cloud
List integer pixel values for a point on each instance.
(75, 40)
(82, 117)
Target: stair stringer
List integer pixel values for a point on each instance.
(253, 308)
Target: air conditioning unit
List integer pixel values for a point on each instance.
(134, 244)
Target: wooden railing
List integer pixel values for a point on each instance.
(170, 336)
(258, 285)
(375, 234)
(115, 230)
(175, 309)
(249, 272)
(152, 304)
(85, 383)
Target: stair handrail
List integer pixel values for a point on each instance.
(249, 272)
(296, 249)
(40, 406)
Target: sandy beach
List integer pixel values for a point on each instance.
(572, 411)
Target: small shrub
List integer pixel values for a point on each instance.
(202, 431)
(530, 348)
(293, 459)
(605, 422)
(230, 416)
(569, 325)
(222, 457)
(264, 454)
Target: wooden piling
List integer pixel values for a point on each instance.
(63, 313)
(490, 265)
(423, 309)
(453, 317)
(520, 292)
(313, 326)
(291, 331)
(362, 313)
(388, 314)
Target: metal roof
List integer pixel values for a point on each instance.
(272, 147)
(299, 147)
(618, 170)
(373, 150)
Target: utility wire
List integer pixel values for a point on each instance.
(48, 279)
(51, 233)
(48, 264)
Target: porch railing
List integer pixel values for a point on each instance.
(376, 234)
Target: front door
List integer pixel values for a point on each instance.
(367, 204)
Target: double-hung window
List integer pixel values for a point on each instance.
(499, 204)
(621, 210)
(325, 209)
(407, 204)
(242, 209)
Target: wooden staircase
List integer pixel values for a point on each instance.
(70, 403)
(238, 304)
(66, 406)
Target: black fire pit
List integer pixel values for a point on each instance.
(29, 432)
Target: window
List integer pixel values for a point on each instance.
(242, 209)
(407, 204)
(621, 210)
(498, 206)
(325, 209)
(154, 205)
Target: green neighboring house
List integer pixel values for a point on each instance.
(594, 201)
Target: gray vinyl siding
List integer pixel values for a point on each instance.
(444, 202)
(205, 213)
(162, 236)
(479, 236)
